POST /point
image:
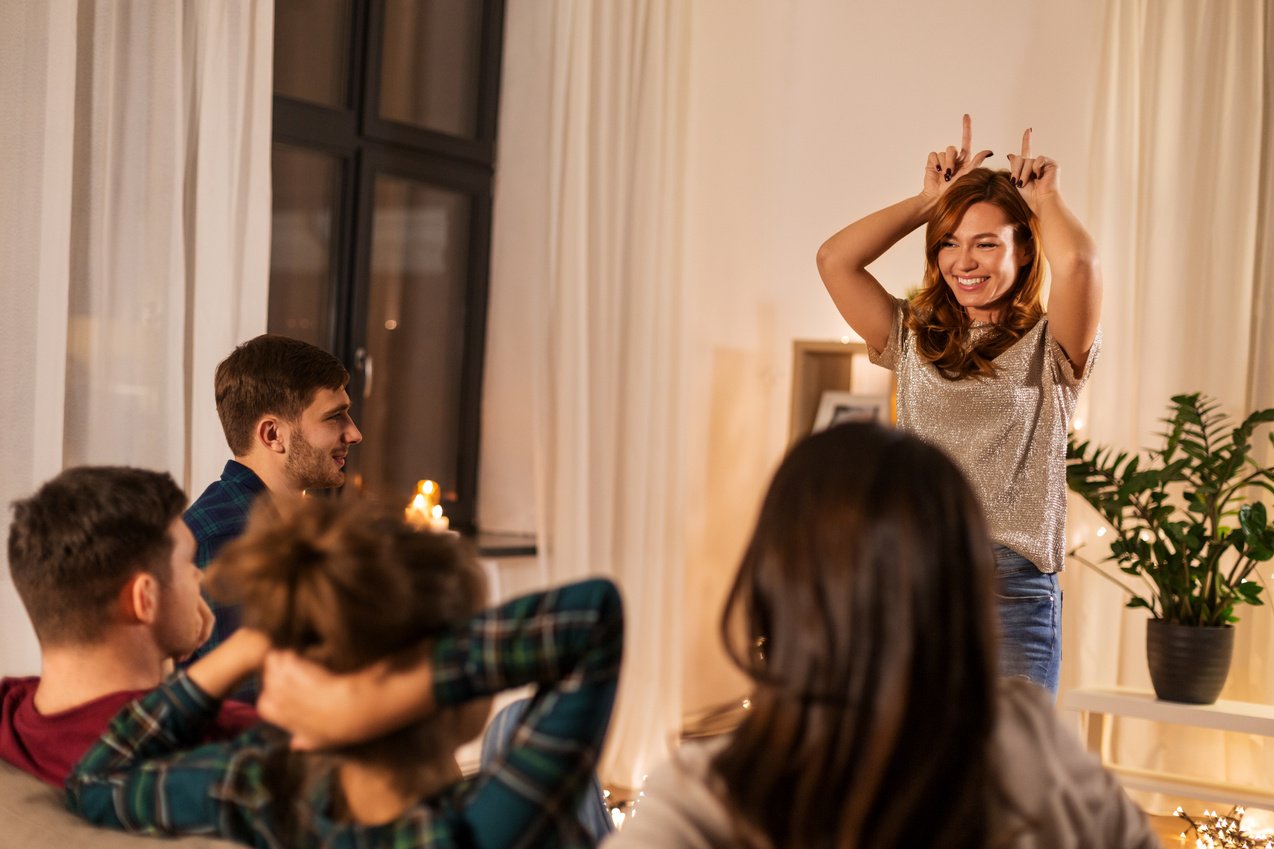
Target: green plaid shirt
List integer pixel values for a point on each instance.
(146, 774)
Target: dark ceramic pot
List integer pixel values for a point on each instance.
(1188, 663)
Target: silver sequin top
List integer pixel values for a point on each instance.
(1007, 433)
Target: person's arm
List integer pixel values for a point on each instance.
(1074, 300)
(568, 641)
(148, 773)
(843, 259)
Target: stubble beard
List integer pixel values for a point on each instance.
(309, 467)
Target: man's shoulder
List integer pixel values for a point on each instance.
(221, 511)
(48, 745)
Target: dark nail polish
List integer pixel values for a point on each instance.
(948, 174)
(938, 168)
(989, 155)
(946, 178)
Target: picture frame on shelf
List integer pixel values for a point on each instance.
(836, 407)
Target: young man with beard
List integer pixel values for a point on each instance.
(104, 566)
(285, 413)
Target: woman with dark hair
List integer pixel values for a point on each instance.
(362, 595)
(983, 371)
(863, 614)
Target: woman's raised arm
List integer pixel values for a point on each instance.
(1074, 299)
(843, 259)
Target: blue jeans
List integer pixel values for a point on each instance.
(1030, 607)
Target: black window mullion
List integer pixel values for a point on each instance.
(369, 145)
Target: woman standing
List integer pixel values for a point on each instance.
(984, 372)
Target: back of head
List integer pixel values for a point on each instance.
(863, 612)
(75, 543)
(346, 585)
(271, 375)
(941, 325)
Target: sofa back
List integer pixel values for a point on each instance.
(33, 815)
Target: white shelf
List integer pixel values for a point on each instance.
(1242, 717)
(1098, 706)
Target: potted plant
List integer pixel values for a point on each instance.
(1188, 526)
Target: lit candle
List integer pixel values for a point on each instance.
(431, 492)
(438, 522)
(417, 513)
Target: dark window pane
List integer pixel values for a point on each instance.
(429, 65)
(311, 50)
(306, 188)
(415, 336)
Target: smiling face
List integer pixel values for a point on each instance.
(320, 440)
(981, 259)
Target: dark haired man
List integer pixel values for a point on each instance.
(103, 564)
(285, 413)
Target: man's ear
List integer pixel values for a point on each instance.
(272, 433)
(139, 599)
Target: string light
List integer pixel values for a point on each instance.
(1212, 831)
(622, 810)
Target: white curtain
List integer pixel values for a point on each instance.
(135, 153)
(1177, 172)
(598, 283)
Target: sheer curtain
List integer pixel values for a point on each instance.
(591, 284)
(136, 235)
(1177, 173)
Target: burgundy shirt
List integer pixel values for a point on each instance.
(48, 746)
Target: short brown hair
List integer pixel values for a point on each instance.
(346, 585)
(271, 374)
(76, 543)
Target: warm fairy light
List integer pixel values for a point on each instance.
(1224, 832)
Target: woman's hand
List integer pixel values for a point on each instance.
(1035, 177)
(945, 167)
(322, 709)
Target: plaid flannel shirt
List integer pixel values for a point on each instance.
(144, 774)
(217, 517)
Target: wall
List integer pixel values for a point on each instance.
(803, 116)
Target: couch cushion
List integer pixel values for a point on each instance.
(33, 815)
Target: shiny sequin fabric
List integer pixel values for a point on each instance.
(1007, 433)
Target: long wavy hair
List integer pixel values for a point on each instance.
(941, 326)
(862, 612)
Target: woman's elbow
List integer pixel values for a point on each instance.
(833, 260)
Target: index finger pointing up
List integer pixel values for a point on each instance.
(1026, 144)
(966, 138)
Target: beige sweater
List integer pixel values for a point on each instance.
(1047, 777)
